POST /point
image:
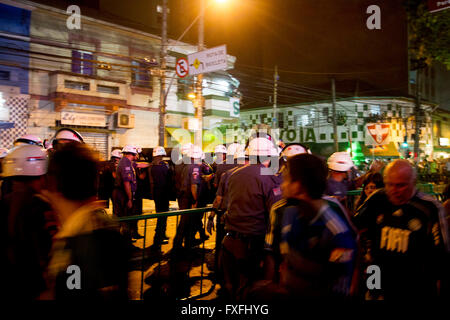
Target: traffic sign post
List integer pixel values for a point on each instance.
(182, 67)
(210, 60)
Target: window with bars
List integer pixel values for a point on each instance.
(140, 74)
(80, 64)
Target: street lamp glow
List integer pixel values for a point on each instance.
(191, 95)
(221, 1)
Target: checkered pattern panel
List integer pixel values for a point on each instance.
(356, 117)
(18, 114)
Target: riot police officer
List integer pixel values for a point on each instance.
(27, 222)
(160, 179)
(125, 187)
(251, 193)
(107, 176)
(190, 223)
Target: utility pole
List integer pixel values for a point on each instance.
(350, 139)
(417, 117)
(162, 79)
(275, 89)
(333, 94)
(199, 84)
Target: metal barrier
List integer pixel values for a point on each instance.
(148, 216)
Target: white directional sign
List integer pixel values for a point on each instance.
(208, 60)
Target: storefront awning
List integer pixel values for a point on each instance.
(388, 150)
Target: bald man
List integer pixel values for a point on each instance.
(406, 236)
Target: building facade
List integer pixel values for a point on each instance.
(14, 76)
(312, 125)
(103, 81)
(441, 134)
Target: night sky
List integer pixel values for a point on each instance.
(311, 41)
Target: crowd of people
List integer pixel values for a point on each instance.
(285, 225)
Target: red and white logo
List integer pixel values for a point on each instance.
(379, 132)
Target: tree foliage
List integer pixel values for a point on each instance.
(429, 34)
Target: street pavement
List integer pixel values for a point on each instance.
(153, 262)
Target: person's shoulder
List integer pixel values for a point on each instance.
(333, 221)
(426, 202)
(124, 162)
(279, 205)
(377, 196)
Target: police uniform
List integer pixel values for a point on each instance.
(180, 187)
(250, 197)
(409, 243)
(317, 249)
(125, 172)
(106, 181)
(160, 185)
(221, 168)
(206, 190)
(188, 226)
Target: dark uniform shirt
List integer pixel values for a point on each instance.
(221, 168)
(179, 180)
(408, 242)
(106, 180)
(160, 183)
(250, 197)
(337, 188)
(223, 188)
(126, 172)
(192, 175)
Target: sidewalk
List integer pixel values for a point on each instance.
(152, 262)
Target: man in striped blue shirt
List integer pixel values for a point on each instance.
(312, 244)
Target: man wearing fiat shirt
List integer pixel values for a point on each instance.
(406, 237)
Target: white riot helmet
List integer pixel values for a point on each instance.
(186, 149)
(261, 147)
(3, 152)
(25, 160)
(196, 152)
(29, 139)
(130, 149)
(240, 152)
(220, 149)
(340, 161)
(294, 149)
(159, 151)
(116, 153)
(232, 148)
(68, 134)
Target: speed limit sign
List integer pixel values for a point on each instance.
(182, 67)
